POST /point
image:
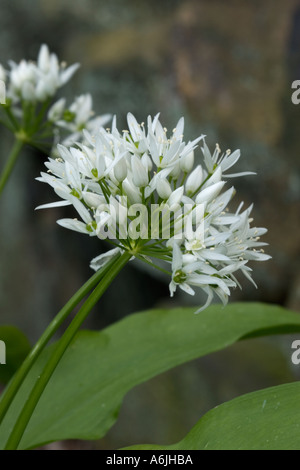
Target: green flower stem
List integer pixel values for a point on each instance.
(10, 163)
(62, 345)
(41, 114)
(11, 117)
(14, 385)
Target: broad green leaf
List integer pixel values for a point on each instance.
(85, 393)
(265, 420)
(16, 347)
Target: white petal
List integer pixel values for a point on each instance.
(208, 301)
(243, 173)
(229, 161)
(179, 129)
(194, 180)
(213, 255)
(67, 74)
(54, 204)
(82, 211)
(101, 260)
(43, 60)
(133, 126)
(186, 288)
(177, 258)
(175, 197)
(207, 158)
(72, 224)
(92, 199)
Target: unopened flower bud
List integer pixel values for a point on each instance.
(120, 170)
(147, 162)
(163, 188)
(139, 173)
(131, 192)
(208, 194)
(44, 58)
(194, 180)
(187, 162)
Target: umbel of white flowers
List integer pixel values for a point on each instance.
(110, 174)
(37, 81)
(35, 84)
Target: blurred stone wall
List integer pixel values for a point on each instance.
(228, 68)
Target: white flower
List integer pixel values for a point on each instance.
(137, 188)
(38, 81)
(80, 115)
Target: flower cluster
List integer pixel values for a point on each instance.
(78, 116)
(37, 81)
(32, 113)
(183, 219)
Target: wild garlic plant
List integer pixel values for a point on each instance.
(143, 190)
(32, 112)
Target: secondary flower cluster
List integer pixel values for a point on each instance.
(36, 81)
(32, 113)
(114, 175)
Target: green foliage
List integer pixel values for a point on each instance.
(85, 393)
(264, 420)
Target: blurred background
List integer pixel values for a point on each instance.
(227, 67)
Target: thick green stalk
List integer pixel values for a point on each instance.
(21, 373)
(10, 163)
(62, 345)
